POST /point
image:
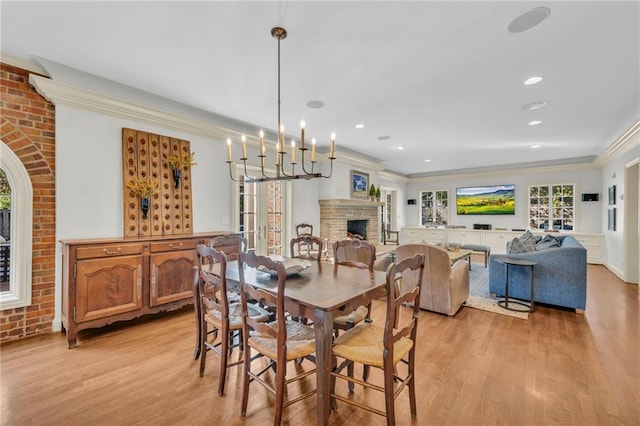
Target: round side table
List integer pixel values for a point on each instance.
(509, 262)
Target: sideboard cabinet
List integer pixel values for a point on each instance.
(496, 240)
(108, 280)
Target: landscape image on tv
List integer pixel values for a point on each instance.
(498, 199)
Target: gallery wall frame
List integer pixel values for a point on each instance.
(611, 219)
(359, 184)
(612, 195)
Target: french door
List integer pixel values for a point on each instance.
(388, 211)
(261, 215)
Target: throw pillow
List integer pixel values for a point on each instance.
(547, 242)
(528, 239)
(519, 246)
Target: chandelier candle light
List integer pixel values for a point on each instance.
(281, 148)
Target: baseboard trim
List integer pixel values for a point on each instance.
(615, 271)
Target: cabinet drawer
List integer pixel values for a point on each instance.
(106, 250)
(173, 245)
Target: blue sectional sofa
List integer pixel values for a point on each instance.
(560, 277)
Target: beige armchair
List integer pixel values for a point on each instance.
(445, 287)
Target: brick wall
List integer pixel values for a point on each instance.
(335, 213)
(27, 126)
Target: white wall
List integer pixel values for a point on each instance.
(588, 214)
(613, 174)
(89, 175)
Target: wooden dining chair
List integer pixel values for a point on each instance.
(304, 229)
(353, 253)
(279, 341)
(231, 245)
(385, 347)
(307, 247)
(360, 254)
(222, 317)
(389, 236)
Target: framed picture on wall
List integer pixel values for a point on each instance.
(612, 195)
(612, 219)
(359, 184)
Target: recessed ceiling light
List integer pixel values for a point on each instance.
(384, 138)
(534, 106)
(528, 20)
(427, 161)
(359, 126)
(533, 80)
(401, 147)
(535, 146)
(534, 122)
(315, 104)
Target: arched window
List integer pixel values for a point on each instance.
(18, 293)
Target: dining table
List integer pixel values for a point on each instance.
(320, 294)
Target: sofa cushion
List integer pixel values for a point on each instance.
(528, 239)
(518, 245)
(526, 243)
(547, 242)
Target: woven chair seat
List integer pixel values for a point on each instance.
(364, 344)
(214, 316)
(301, 341)
(354, 317)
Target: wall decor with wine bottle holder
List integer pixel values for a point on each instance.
(144, 157)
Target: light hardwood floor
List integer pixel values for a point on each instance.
(478, 368)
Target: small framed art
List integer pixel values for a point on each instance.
(612, 219)
(612, 195)
(359, 184)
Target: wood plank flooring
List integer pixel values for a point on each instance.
(478, 368)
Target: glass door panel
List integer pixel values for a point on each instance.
(261, 216)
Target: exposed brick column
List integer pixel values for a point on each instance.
(27, 126)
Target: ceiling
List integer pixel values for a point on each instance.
(443, 80)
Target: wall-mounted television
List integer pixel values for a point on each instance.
(481, 200)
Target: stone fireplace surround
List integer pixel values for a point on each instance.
(335, 213)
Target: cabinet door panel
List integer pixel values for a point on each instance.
(106, 287)
(172, 276)
(498, 240)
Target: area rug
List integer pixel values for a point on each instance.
(479, 293)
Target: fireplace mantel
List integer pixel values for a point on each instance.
(349, 202)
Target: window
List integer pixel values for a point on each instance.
(551, 207)
(18, 256)
(434, 207)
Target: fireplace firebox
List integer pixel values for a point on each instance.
(357, 228)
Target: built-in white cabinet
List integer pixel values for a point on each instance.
(421, 235)
(462, 236)
(593, 244)
(496, 239)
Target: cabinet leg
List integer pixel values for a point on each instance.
(71, 337)
(71, 340)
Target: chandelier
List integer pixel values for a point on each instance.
(283, 160)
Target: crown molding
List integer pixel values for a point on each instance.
(65, 94)
(506, 173)
(354, 160)
(624, 143)
(393, 177)
(24, 64)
